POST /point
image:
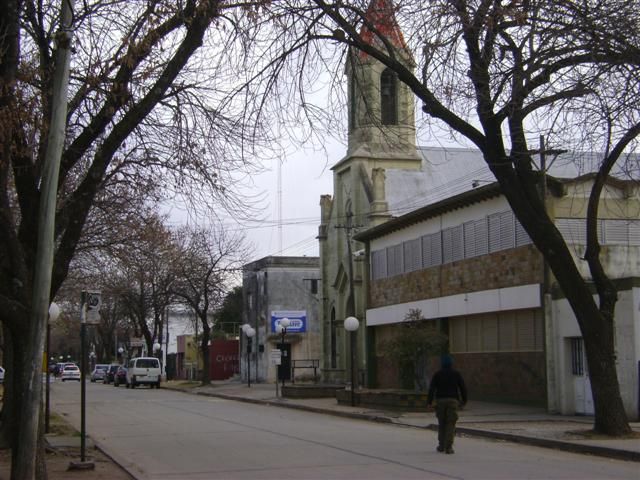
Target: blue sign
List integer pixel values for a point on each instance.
(297, 320)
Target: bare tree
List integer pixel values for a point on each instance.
(500, 74)
(207, 263)
(147, 109)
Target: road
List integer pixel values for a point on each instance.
(161, 434)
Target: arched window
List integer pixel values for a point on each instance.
(388, 98)
(334, 340)
(353, 107)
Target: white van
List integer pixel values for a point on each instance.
(143, 371)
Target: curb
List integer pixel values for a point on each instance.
(606, 452)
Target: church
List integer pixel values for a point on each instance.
(427, 230)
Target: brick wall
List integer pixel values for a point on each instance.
(507, 268)
(505, 376)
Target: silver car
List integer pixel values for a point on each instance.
(70, 372)
(99, 372)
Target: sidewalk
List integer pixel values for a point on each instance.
(513, 423)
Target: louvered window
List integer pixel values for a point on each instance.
(412, 255)
(525, 326)
(616, 232)
(522, 237)
(474, 335)
(457, 330)
(506, 333)
(431, 250)
(379, 264)
(573, 230)
(452, 244)
(490, 333)
(394, 260)
(634, 232)
(494, 232)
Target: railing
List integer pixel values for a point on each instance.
(305, 363)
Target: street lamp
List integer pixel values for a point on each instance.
(92, 360)
(282, 327)
(54, 313)
(250, 333)
(351, 324)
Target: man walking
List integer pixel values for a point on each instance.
(447, 386)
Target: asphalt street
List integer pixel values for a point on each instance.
(160, 434)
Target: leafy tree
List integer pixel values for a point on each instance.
(415, 341)
(229, 316)
(499, 74)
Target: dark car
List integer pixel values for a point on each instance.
(110, 373)
(120, 377)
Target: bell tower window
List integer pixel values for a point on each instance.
(388, 98)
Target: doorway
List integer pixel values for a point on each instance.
(284, 369)
(583, 400)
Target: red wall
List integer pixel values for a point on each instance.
(223, 356)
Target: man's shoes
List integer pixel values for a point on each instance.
(440, 448)
(449, 451)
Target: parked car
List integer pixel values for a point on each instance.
(143, 371)
(99, 372)
(70, 372)
(120, 377)
(1, 375)
(110, 373)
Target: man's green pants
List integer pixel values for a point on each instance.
(447, 413)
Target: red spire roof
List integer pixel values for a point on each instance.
(381, 15)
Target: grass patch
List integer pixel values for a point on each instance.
(183, 383)
(59, 426)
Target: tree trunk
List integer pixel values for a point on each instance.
(204, 347)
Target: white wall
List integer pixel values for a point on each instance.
(627, 345)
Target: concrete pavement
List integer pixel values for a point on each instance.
(513, 423)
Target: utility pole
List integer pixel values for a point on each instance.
(26, 448)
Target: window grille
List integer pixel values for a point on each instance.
(577, 356)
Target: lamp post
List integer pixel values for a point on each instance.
(54, 313)
(121, 353)
(92, 360)
(351, 324)
(282, 326)
(250, 333)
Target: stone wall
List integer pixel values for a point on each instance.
(507, 268)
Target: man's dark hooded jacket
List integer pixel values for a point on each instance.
(447, 383)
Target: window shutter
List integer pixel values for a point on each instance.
(457, 243)
(457, 328)
(394, 260)
(412, 255)
(474, 335)
(507, 230)
(506, 333)
(379, 264)
(490, 333)
(494, 232)
(447, 246)
(469, 239)
(522, 237)
(525, 331)
(573, 230)
(482, 236)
